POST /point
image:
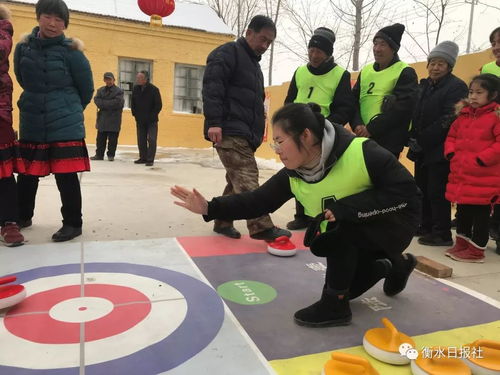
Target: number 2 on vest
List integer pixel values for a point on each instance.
(310, 92)
(371, 85)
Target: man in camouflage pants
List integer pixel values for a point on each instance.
(233, 105)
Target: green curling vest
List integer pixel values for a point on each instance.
(347, 177)
(374, 86)
(491, 68)
(319, 89)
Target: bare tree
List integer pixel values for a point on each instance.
(433, 14)
(235, 13)
(360, 16)
(272, 9)
(301, 18)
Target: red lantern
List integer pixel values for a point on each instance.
(157, 8)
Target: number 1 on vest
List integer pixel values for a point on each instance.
(310, 92)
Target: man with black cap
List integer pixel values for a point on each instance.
(325, 83)
(109, 101)
(385, 93)
(434, 113)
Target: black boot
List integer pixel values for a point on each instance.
(66, 233)
(498, 247)
(230, 232)
(300, 222)
(494, 229)
(436, 239)
(396, 281)
(380, 269)
(331, 310)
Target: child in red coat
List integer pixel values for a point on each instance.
(10, 161)
(473, 148)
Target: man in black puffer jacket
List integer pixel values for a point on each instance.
(233, 105)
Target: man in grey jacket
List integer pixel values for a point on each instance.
(109, 101)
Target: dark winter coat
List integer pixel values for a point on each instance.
(342, 106)
(57, 82)
(109, 102)
(233, 92)
(146, 103)
(6, 131)
(390, 128)
(394, 191)
(473, 147)
(434, 113)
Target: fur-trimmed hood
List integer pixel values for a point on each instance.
(73, 43)
(463, 106)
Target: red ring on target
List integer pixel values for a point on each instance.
(130, 307)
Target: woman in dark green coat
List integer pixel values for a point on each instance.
(57, 82)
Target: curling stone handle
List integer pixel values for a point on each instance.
(282, 239)
(7, 279)
(355, 360)
(388, 324)
(395, 334)
(486, 343)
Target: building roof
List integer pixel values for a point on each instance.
(191, 16)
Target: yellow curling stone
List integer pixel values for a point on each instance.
(348, 364)
(384, 343)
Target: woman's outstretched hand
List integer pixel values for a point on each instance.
(191, 200)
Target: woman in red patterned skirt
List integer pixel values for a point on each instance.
(57, 82)
(9, 155)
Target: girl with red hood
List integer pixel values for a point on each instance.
(473, 148)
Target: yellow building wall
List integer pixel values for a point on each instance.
(107, 39)
(467, 67)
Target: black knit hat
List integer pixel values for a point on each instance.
(392, 35)
(323, 38)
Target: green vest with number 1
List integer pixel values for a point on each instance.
(374, 86)
(347, 177)
(491, 68)
(318, 89)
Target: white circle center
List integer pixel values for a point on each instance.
(81, 309)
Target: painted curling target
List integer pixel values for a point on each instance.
(104, 309)
(134, 319)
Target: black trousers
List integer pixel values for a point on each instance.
(147, 135)
(111, 138)
(354, 248)
(472, 222)
(8, 201)
(495, 216)
(69, 190)
(436, 210)
(299, 210)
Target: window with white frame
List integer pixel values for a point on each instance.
(187, 88)
(128, 69)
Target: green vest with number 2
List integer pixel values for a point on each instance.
(318, 89)
(347, 177)
(375, 86)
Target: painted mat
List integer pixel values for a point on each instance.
(125, 307)
(144, 307)
(264, 291)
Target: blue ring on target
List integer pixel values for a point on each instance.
(203, 320)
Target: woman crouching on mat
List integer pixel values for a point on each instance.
(366, 204)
